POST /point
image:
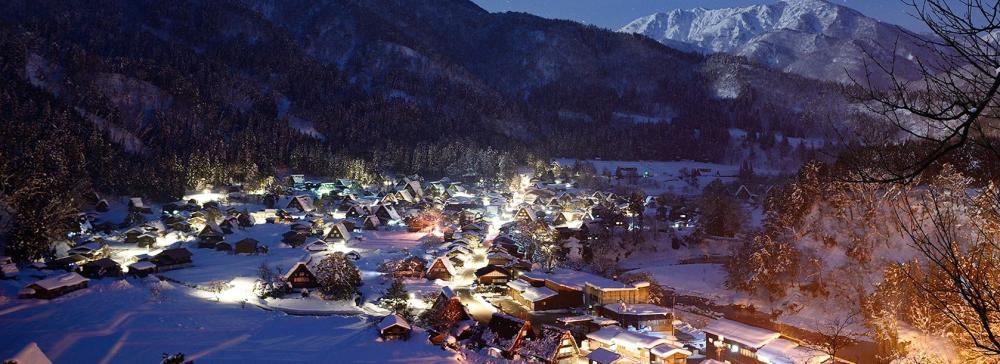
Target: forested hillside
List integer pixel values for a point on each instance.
(184, 93)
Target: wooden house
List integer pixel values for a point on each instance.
(738, 343)
(394, 327)
(302, 203)
(246, 246)
(372, 222)
(549, 345)
(224, 247)
(499, 257)
(640, 316)
(504, 334)
(229, 225)
(172, 259)
(339, 230)
(68, 263)
(8, 269)
(637, 347)
(53, 287)
(141, 268)
(441, 268)
(540, 298)
(210, 235)
(492, 274)
(386, 213)
(90, 249)
(245, 219)
(301, 276)
(135, 204)
(104, 267)
(447, 310)
(356, 212)
(526, 214)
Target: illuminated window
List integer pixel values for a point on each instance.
(734, 348)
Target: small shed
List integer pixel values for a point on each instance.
(141, 268)
(394, 327)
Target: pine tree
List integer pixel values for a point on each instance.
(397, 299)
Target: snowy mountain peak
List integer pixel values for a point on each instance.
(815, 38)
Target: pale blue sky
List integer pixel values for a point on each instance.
(616, 13)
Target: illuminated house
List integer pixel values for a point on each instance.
(565, 288)
(526, 214)
(441, 269)
(640, 316)
(640, 348)
(300, 276)
(737, 343)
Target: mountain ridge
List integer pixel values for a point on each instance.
(813, 38)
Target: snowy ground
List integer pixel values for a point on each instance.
(123, 321)
(136, 321)
(666, 176)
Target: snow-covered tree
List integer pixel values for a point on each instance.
(763, 263)
(396, 299)
(338, 277)
(721, 214)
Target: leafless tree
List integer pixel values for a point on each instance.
(954, 104)
(836, 334)
(959, 238)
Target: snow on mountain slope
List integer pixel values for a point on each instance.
(813, 38)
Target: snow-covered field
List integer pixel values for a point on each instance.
(126, 322)
(137, 320)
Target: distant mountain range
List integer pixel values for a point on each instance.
(812, 38)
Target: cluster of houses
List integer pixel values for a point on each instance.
(605, 321)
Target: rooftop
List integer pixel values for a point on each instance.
(576, 279)
(744, 334)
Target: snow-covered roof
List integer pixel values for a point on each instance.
(576, 279)
(143, 265)
(304, 202)
(597, 320)
(288, 275)
(447, 292)
(751, 336)
(62, 280)
(604, 356)
(668, 349)
(618, 336)
(518, 285)
(447, 265)
(545, 345)
(535, 294)
(783, 351)
(638, 309)
(31, 354)
(137, 202)
(316, 246)
(393, 320)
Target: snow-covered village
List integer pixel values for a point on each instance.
(500, 181)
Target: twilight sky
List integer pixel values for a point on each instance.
(616, 13)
